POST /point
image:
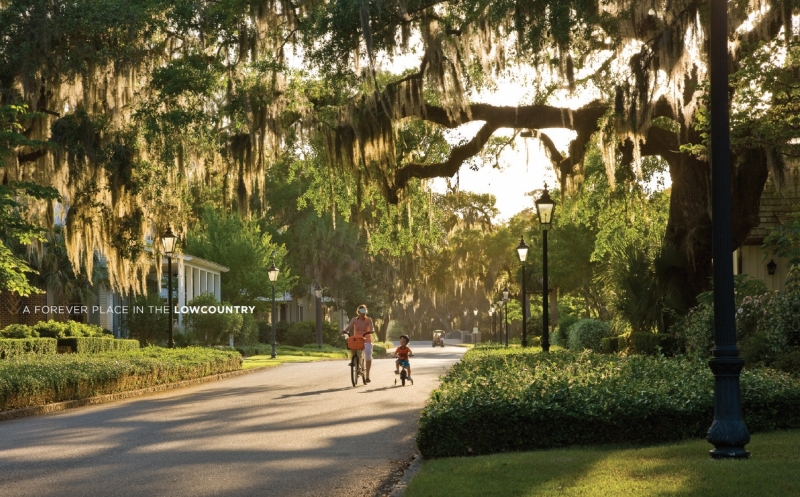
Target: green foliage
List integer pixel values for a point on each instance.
(564, 398)
(587, 334)
(784, 241)
(37, 380)
(789, 363)
(653, 344)
(561, 336)
(241, 245)
(609, 345)
(15, 228)
(69, 329)
(248, 333)
(305, 332)
(781, 321)
(18, 331)
(10, 347)
(147, 327)
(95, 345)
(265, 331)
(212, 328)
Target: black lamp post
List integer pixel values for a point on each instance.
(505, 311)
(522, 251)
(168, 241)
(728, 432)
(771, 267)
(545, 207)
(318, 294)
(273, 277)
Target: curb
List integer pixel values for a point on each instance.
(413, 468)
(104, 399)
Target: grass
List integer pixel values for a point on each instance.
(682, 469)
(265, 361)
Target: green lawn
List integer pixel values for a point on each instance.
(263, 361)
(682, 469)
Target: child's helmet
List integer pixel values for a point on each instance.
(406, 337)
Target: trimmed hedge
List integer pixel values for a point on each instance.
(10, 347)
(93, 345)
(37, 380)
(648, 344)
(498, 400)
(587, 334)
(609, 345)
(69, 329)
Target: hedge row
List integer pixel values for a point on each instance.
(511, 400)
(93, 345)
(37, 380)
(10, 347)
(54, 329)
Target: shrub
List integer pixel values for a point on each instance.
(587, 333)
(561, 336)
(37, 380)
(781, 321)
(147, 327)
(18, 331)
(789, 362)
(248, 333)
(609, 345)
(696, 330)
(67, 329)
(94, 345)
(305, 332)
(254, 349)
(212, 329)
(10, 347)
(565, 398)
(651, 343)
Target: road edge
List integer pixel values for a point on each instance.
(413, 468)
(112, 397)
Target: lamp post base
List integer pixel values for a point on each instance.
(727, 433)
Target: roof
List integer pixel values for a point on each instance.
(776, 206)
(193, 260)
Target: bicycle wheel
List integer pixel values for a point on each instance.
(403, 377)
(363, 370)
(354, 370)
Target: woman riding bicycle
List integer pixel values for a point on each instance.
(361, 326)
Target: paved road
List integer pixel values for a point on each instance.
(294, 430)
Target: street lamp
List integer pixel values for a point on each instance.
(491, 315)
(318, 294)
(273, 277)
(522, 251)
(728, 432)
(168, 242)
(545, 207)
(505, 311)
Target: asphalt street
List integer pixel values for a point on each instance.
(293, 430)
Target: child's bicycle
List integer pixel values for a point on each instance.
(403, 377)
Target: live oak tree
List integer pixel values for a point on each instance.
(148, 100)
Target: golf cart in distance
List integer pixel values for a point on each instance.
(438, 338)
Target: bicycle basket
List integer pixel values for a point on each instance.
(355, 343)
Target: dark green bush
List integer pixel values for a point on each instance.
(18, 331)
(93, 345)
(650, 343)
(254, 349)
(10, 347)
(587, 333)
(561, 336)
(248, 333)
(788, 362)
(305, 332)
(38, 380)
(565, 398)
(212, 329)
(265, 331)
(622, 343)
(609, 345)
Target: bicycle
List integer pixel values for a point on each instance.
(357, 368)
(404, 376)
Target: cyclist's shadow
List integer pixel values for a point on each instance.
(316, 392)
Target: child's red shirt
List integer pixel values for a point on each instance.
(402, 352)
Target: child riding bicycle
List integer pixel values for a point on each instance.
(402, 353)
(361, 327)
